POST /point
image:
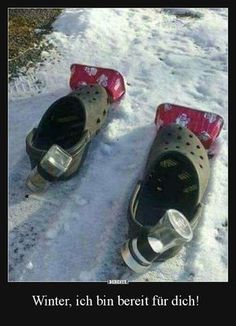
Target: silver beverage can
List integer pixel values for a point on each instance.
(35, 182)
(55, 162)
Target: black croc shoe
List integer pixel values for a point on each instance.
(58, 146)
(166, 204)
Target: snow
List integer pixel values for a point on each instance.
(74, 231)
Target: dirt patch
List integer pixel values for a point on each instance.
(26, 31)
(183, 13)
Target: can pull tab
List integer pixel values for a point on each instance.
(53, 165)
(173, 229)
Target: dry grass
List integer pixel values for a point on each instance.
(23, 39)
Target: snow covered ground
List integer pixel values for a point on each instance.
(74, 231)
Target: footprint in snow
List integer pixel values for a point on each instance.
(82, 202)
